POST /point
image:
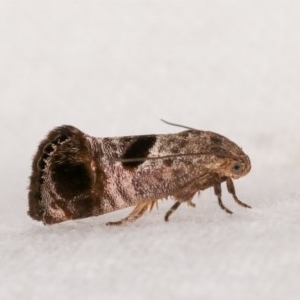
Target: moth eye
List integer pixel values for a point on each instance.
(236, 167)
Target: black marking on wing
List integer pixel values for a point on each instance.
(140, 148)
(71, 179)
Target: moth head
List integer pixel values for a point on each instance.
(231, 160)
(63, 174)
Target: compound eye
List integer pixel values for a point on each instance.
(236, 167)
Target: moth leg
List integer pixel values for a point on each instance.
(231, 190)
(191, 203)
(176, 205)
(218, 193)
(151, 205)
(137, 212)
(171, 210)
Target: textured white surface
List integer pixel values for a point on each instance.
(115, 68)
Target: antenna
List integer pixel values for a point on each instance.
(178, 125)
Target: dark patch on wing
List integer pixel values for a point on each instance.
(71, 179)
(139, 148)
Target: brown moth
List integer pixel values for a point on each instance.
(75, 175)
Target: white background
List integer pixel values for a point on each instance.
(115, 68)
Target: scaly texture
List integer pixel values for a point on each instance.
(77, 176)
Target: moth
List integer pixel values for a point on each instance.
(75, 175)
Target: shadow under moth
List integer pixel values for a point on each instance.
(75, 175)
